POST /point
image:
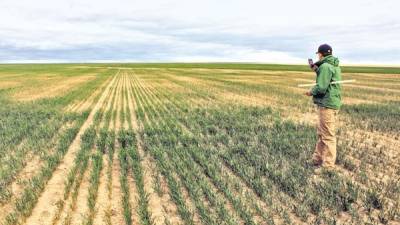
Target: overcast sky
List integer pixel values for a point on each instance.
(280, 31)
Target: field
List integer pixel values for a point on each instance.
(192, 144)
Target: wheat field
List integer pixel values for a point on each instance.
(192, 144)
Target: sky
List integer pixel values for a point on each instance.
(259, 31)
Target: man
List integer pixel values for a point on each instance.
(327, 97)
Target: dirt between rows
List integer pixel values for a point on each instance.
(46, 206)
(161, 206)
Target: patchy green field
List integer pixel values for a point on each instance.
(192, 144)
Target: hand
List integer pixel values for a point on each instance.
(308, 93)
(314, 68)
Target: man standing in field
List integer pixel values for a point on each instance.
(327, 97)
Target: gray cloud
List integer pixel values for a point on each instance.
(173, 31)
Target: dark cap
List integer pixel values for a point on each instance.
(325, 49)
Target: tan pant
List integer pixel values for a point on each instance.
(325, 149)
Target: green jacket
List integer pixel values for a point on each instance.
(324, 93)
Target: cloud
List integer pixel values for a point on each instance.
(172, 30)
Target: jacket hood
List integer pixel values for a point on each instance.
(334, 61)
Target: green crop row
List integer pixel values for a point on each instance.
(375, 117)
(30, 195)
(167, 142)
(183, 138)
(31, 130)
(164, 165)
(84, 157)
(284, 154)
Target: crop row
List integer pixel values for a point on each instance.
(291, 181)
(190, 178)
(30, 130)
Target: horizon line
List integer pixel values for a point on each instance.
(38, 62)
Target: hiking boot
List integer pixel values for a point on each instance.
(314, 163)
(317, 163)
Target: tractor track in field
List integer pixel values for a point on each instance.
(46, 206)
(75, 210)
(76, 201)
